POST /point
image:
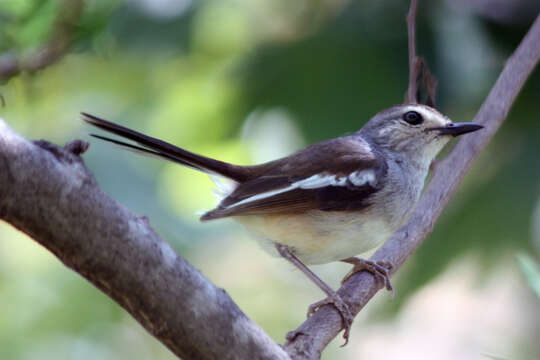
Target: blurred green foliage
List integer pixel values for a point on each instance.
(531, 271)
(247, 81)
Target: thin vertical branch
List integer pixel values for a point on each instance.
(411, 96)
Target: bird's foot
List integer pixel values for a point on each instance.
(379, 269)
(343, 309)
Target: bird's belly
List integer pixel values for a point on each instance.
(318, 237)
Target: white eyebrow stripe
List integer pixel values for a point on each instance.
(317, 181)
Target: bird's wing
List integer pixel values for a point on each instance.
(336, 175)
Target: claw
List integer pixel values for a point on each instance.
(346, 315)
(333, 298)
(379, 269)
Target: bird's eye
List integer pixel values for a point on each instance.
(413, 118)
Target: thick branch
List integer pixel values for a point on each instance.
(46, 192)
(325, 324)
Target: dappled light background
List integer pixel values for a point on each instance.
(248, 81)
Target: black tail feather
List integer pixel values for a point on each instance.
(144, 151)
(155, 147)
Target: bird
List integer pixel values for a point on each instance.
(330, 201)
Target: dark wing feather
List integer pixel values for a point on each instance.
(338, 157)
(333, 198)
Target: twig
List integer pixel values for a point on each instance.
(47, 192)
(56, 47)
(317, 331)
(420, 78)
(413, 59)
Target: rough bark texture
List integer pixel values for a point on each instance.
(46, 192)
(325, 324)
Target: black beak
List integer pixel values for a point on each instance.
(456, 129)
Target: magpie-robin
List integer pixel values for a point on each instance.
(330, 201)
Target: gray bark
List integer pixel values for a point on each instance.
(46, 192)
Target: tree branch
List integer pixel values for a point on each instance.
(411, 97)
(422, 84)
(56, 47)
(47, 192)
(325, 324)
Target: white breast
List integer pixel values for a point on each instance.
(318, 237)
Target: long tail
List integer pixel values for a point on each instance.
(155, 147)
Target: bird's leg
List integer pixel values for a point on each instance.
(379, 269)
(332, 299)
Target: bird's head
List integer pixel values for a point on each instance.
(416, 131)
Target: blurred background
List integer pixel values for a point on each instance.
(248, 81)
